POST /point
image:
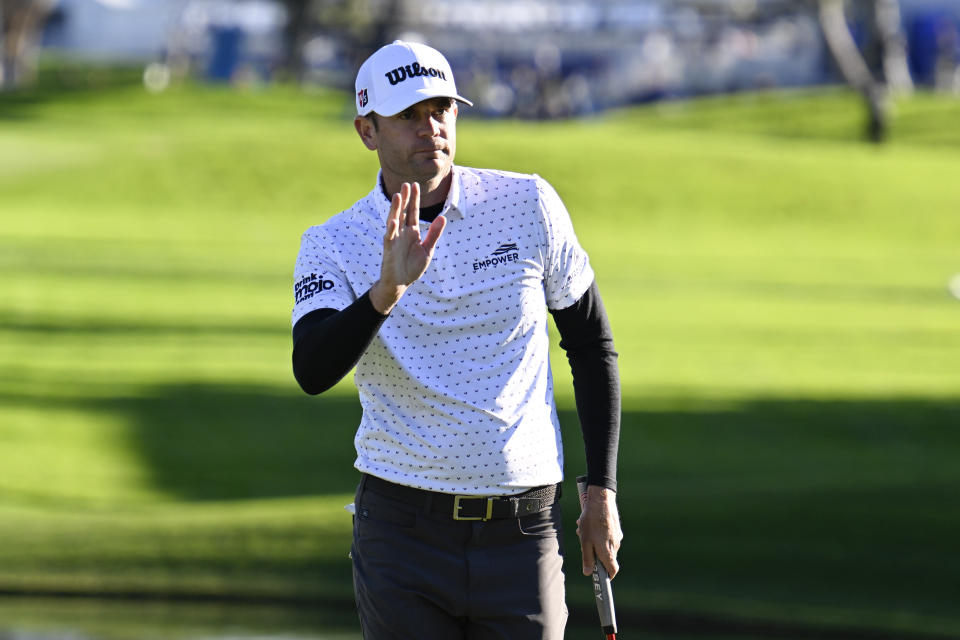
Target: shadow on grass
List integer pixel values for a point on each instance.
(233, 442)
(833, 514)
(263, 441)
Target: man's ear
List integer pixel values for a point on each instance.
(366, 131)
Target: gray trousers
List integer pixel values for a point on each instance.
(424, 576)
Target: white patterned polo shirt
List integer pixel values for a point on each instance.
(456, 388)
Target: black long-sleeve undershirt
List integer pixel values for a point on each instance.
(328, 343)
(587, 339)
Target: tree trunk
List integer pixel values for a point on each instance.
(21, 25)
(888, 48)
(295, 32)
(893, 47)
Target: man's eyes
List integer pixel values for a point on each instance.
(439, 113)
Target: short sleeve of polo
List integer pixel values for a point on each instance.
(318, 280)
(567, 272)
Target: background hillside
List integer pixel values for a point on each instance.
(779, 297)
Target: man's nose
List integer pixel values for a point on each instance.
(430, 126)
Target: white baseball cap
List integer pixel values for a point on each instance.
(401, 74)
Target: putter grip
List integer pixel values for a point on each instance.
(602, 591)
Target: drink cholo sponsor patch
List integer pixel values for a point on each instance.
(309, 286)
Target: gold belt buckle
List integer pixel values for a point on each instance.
(457, 506)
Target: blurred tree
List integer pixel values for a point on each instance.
(296, 33)
(21, 25)
(361, 25)
(878, 69)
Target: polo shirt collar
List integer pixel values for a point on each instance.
(453, 208)
(380, 199)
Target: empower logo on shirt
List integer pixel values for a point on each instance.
(501, 255)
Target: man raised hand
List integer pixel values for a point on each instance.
(405, 257)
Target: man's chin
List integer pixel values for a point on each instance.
(434, 166)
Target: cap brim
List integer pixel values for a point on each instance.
(398, 104)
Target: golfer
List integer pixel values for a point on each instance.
(436, 286)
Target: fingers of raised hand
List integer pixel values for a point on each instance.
(393, 218)
(404, 211)
(433, 233)
(412, 203)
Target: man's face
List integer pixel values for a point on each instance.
(417, 144)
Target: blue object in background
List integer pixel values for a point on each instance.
(922, 46)
(930, 32)
(225, 52)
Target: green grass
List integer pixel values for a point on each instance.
(777, 289)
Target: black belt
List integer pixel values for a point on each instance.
(461, 507)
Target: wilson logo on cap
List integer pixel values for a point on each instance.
(362, 98)
(400, 74)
